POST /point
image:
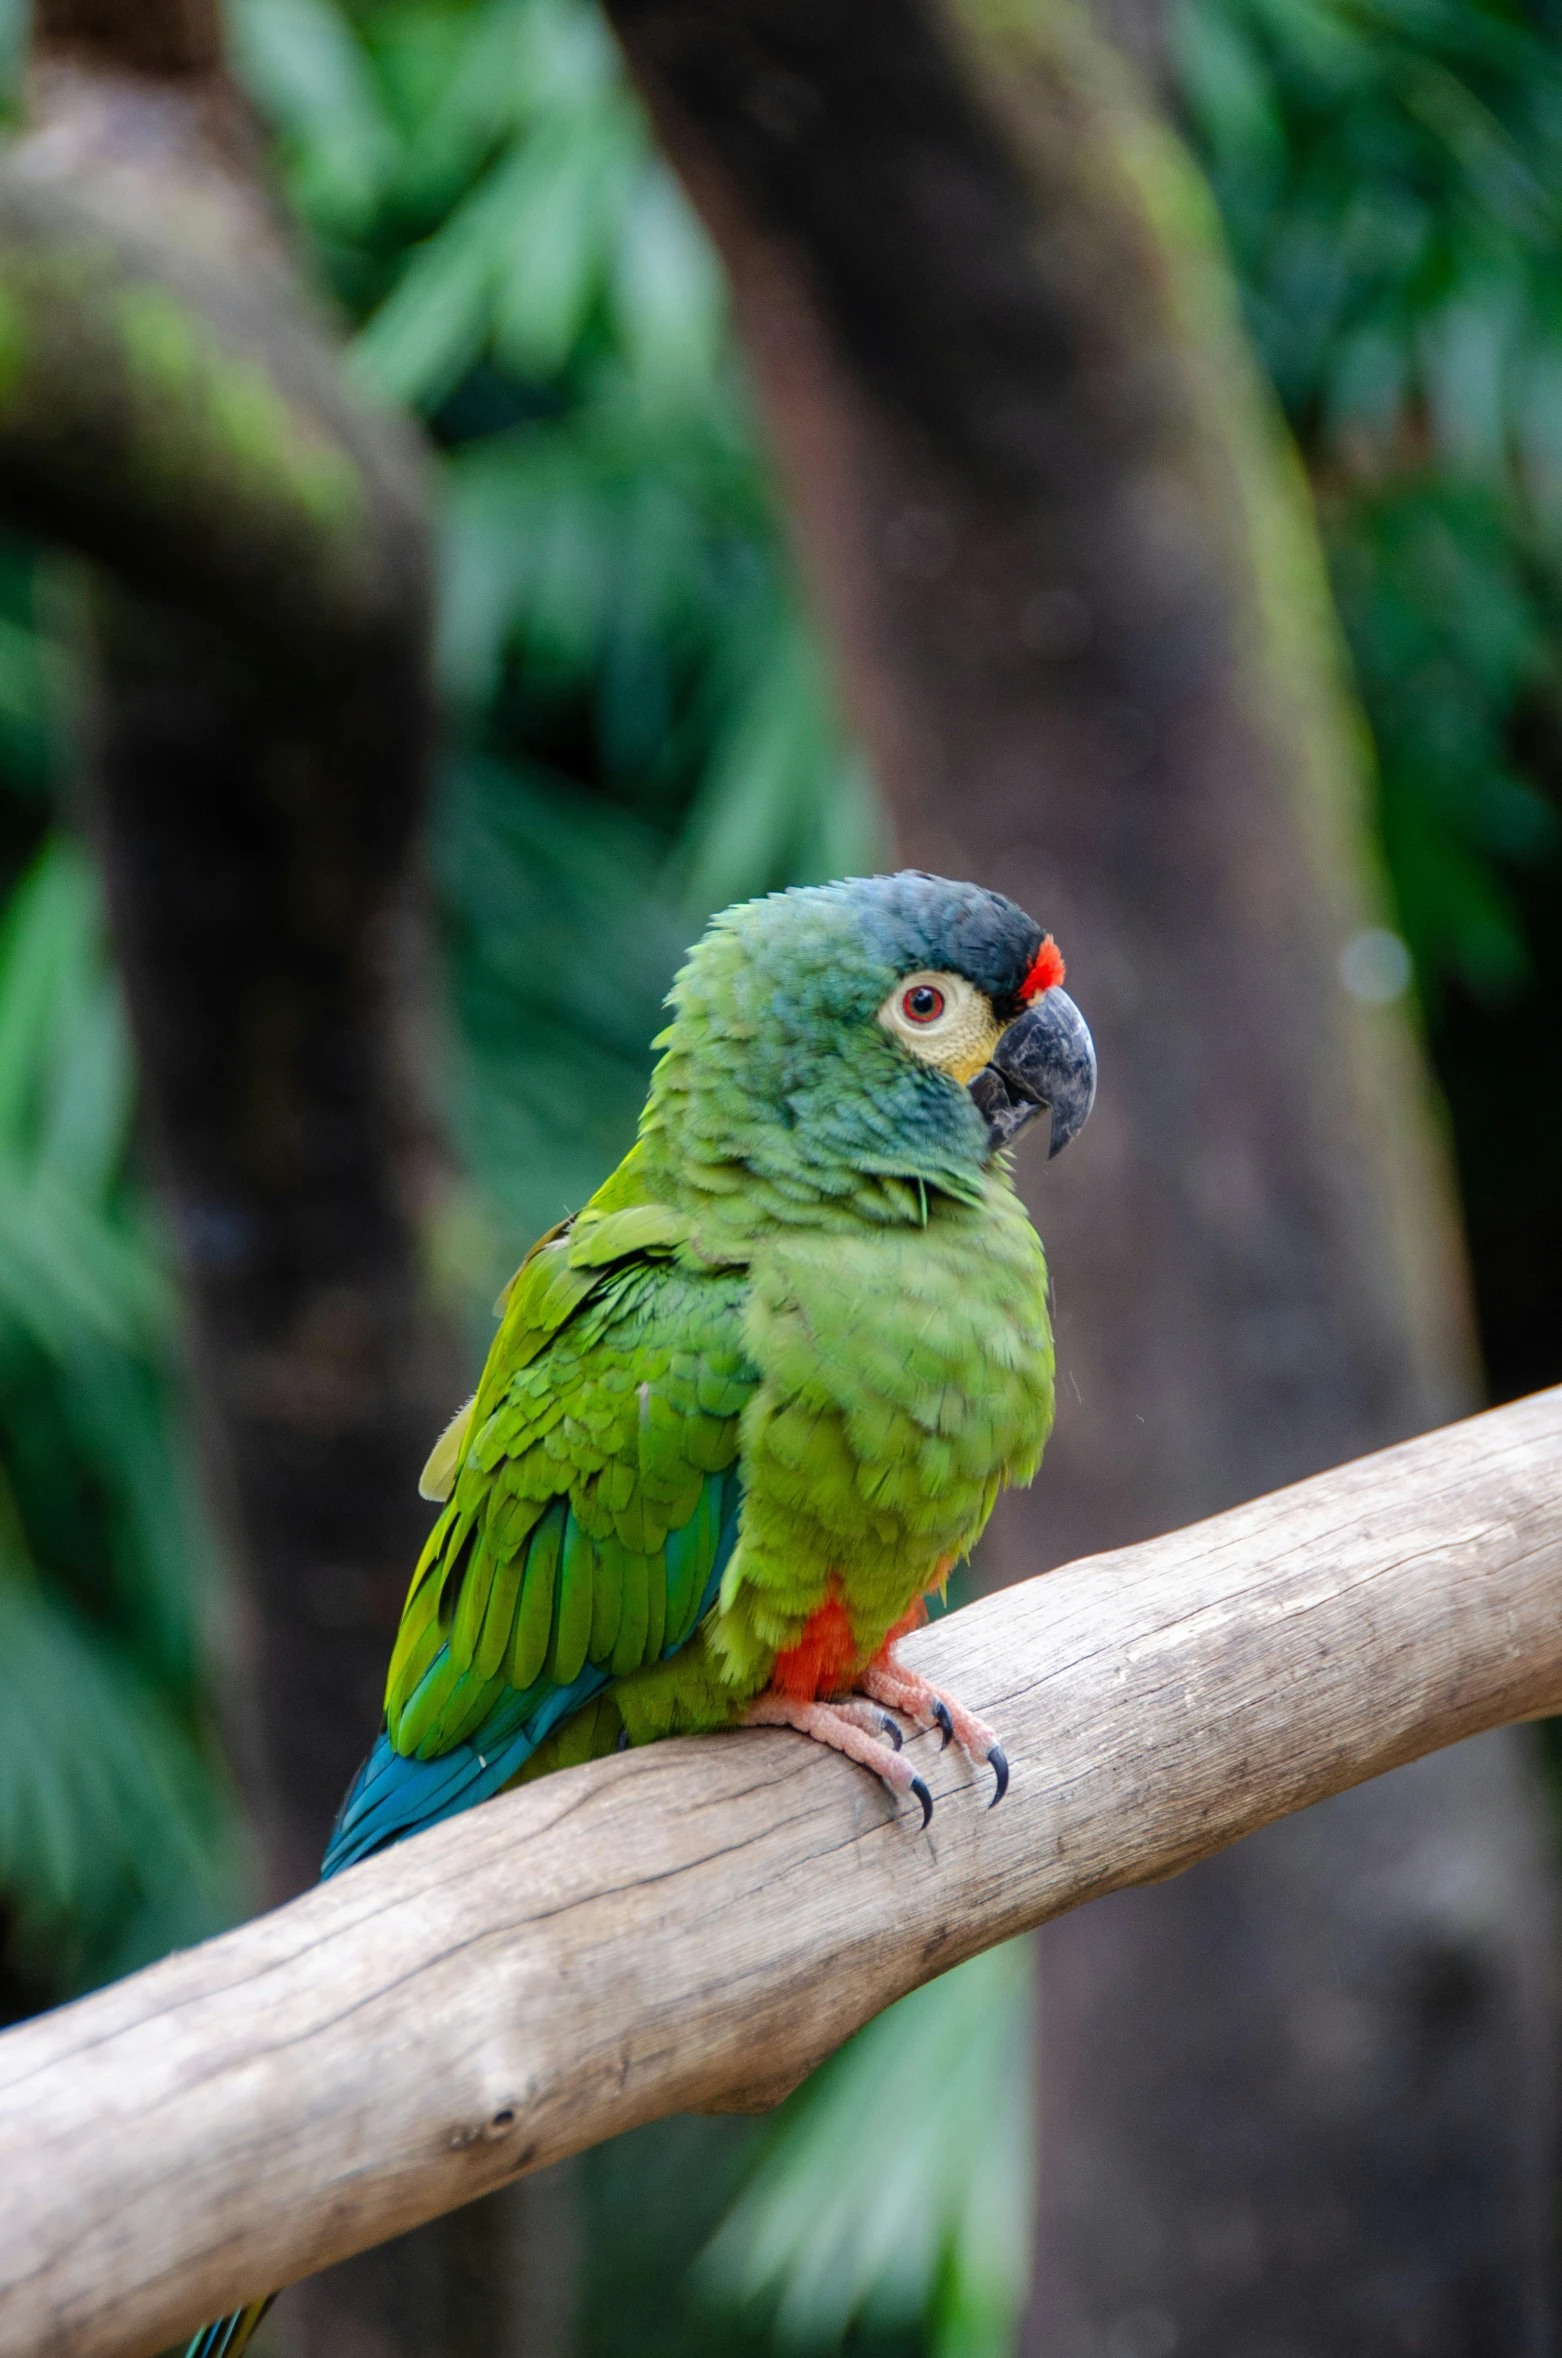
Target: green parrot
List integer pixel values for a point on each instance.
(746, 1410)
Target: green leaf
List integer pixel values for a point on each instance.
(309, 74)
(112, 1833)
(841, 2225)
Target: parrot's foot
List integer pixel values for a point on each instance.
(852, 1727)
(904, 1690)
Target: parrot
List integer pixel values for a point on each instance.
(747, 1409)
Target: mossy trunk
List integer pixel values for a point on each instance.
(1083, 626)
(173, 408)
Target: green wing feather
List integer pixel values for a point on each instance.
(585, 1483)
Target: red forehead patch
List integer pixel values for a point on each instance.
(1046, 968)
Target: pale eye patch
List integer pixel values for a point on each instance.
(944, 1019)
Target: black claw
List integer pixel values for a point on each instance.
(926, 1799)
(941, 1714)
(623, 1741)
(891, 1730)
(999, 1765)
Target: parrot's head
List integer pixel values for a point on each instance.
(897, 1027)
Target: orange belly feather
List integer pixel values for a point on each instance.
(826, 1657)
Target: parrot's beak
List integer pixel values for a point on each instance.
(1045, 1058)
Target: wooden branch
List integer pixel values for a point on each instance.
(697, 1924)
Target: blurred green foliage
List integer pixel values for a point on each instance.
(928, 2226)
(1390, 176)
(118, 1839)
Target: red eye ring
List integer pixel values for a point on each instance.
(923, 1003)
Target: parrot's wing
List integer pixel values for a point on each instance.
(589, 1523)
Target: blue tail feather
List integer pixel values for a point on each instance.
(392, 1796)
(226, 2336)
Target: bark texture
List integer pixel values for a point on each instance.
(1084, 629)
(173, 407)
(702, 1921)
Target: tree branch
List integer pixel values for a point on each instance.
(697, 1924)
(189, 427)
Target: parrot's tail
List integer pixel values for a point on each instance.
(227, 2336)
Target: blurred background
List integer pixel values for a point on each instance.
(486, 486)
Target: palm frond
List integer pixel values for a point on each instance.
(897, 2185)
(115, 1824)
(115, 1839)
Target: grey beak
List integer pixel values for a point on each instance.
(1045, 1058)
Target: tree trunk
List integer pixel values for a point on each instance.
(176, 411)
(1083, 628)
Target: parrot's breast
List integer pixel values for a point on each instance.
(906, 1375)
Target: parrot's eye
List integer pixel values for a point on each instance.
(944, 1020)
